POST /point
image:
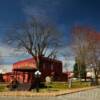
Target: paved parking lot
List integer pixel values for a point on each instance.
(93, 94)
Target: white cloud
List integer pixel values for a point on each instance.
(67, 58)
(68, 65)
(6, 68)
(10, 55)
(6, 50)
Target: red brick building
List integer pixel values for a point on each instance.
(24, 70)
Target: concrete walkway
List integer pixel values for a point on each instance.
(51, 93)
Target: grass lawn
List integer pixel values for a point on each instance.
(54, 86)
(57, 86)
(3, 87)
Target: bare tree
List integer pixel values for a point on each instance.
(35, 38)
(80, 47)
(87, 48)
(94, 53)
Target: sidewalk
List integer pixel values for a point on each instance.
(52, 93)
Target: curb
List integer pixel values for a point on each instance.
(76, 90)
(30, 94)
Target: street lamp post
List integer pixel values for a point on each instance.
(37, 76)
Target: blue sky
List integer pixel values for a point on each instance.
(63, 13)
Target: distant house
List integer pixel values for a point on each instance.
(5, 72)
(7, 76)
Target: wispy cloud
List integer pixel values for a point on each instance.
(10, 55)
(45, 10)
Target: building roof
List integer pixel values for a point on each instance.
(42, 58)
(29, 64)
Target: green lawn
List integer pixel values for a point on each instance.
(64, 85)
(3, 87)
(80, 84)
(57, 86)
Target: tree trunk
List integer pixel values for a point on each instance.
(96, 77)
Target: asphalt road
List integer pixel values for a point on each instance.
(93, 94)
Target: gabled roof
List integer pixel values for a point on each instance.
(42, 58)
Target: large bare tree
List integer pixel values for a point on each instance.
(36, 38)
